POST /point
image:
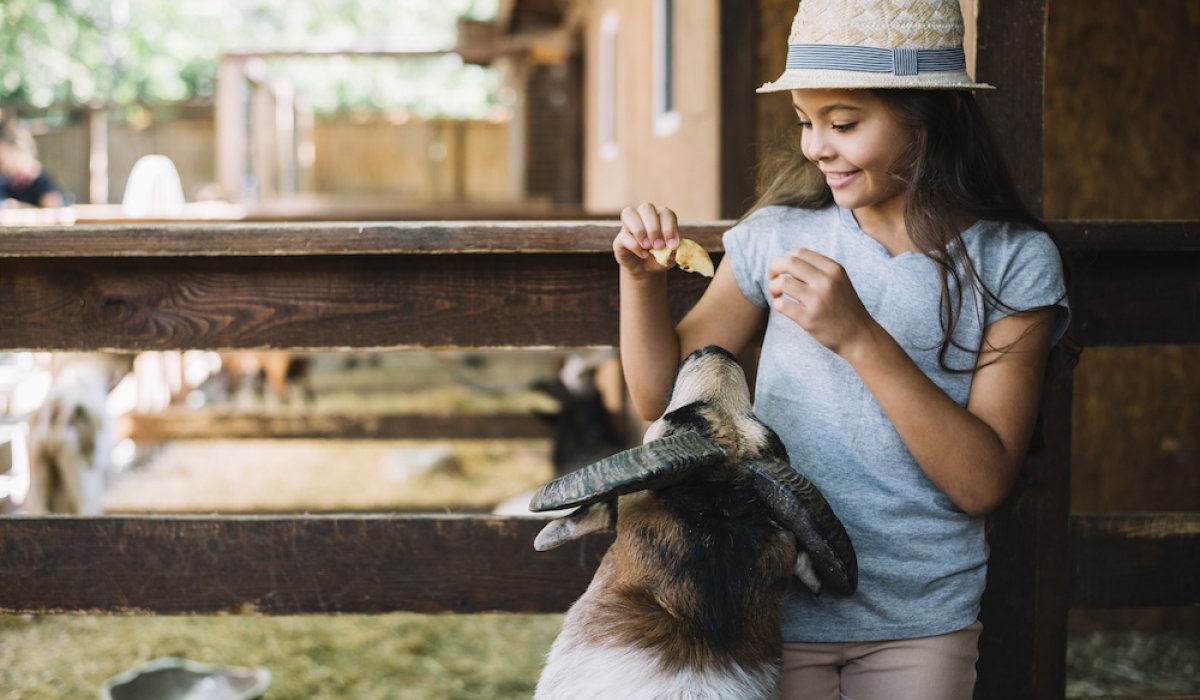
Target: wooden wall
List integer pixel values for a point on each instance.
(417, 161)
(680, 170)
(1122, 139)
(1122, 136)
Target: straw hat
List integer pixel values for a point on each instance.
(850, 44)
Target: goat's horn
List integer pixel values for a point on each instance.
(656, 464)
(797, 505)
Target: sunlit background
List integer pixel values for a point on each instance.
(125, 52)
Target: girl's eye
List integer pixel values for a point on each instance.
(804, 125)
(844, 127)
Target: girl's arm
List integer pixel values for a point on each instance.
(972, 454)
(651, 347)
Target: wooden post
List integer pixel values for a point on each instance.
(230, 113)
(97, 145)
(739, 106)
(1023, 648)
(1011, 55)
(1022, 653)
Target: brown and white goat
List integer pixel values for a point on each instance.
(712, 524)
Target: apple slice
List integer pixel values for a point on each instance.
(690, 256)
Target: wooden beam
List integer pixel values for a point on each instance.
(230, 110)
(444, 284)
(1135, 561)
(739, 113)
(430, 301)
(287, 565)
(1136, 298)
(289, 239)
(1011, 55)
(211, 424)
(1022, 651)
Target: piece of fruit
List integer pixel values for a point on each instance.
(690, 256)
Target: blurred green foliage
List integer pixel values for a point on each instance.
(128, 51)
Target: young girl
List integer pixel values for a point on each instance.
(910, 303)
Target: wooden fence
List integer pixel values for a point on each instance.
(497, 285)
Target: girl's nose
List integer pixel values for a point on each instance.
(815, 146)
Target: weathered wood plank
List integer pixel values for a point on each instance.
(208, 425)
(1011, 55)
(1022, 651)
(208, 298)
(319, 239)
(1136, 297)
(1135, 561)
(739, 115)
(334, 302)
(287, 565)
(222, 240)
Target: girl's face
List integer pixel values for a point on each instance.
(854, 140)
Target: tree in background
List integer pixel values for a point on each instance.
(125, 51)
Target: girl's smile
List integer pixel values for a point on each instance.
(855, 141)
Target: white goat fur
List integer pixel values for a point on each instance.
(70, 442)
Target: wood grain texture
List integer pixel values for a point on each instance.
(287, 565)
(1135, 561)
(305, 287)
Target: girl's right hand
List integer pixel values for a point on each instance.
(642, 229)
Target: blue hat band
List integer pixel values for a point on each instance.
(870, 59)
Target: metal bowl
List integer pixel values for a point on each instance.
(170, 678)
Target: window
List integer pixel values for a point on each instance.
(666, 113)
(607, 102)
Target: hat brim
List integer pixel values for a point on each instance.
(862, 80)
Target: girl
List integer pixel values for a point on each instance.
(910, 302)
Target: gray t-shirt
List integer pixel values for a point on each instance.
(922, 561)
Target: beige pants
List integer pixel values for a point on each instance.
(927, 668)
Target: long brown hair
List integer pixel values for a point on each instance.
(952, 170)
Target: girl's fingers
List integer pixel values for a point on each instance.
(632, 224)
(649, 214)
(627, 242)
(786, 285)
(670, 227)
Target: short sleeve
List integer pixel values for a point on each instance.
(1032, 280)
(746, 250)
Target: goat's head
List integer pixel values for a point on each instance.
(709, 432)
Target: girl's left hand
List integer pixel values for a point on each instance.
(816, 293)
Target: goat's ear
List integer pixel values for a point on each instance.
(806, 572)
(598, 517)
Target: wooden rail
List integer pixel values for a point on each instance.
(283, 565)
(179, 424)
(332, 286)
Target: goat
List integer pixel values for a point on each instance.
(70, 442)
(269, 374)
(585, 424)
(712, 522)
